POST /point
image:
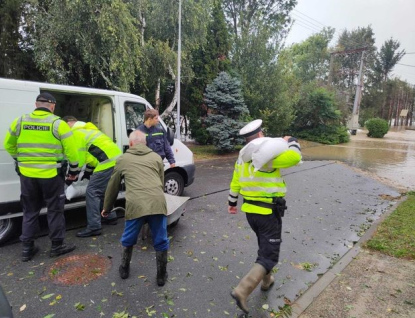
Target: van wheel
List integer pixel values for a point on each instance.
(173, 183)
(174, 223)
(7, 229)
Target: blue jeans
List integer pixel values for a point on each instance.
(95, 193)
(158, 227)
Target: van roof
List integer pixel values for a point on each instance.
(12, 83)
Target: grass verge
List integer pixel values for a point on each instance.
(205, 152)
(395, 236)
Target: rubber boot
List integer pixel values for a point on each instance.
(29, 250)
(124, 268)
(60, 248)
(247, 285)
(161, 258)
(267, 281)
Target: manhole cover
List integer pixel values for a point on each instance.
(78, 269)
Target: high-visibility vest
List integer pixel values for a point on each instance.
(263, 185)
(96, 149)
(39, 141)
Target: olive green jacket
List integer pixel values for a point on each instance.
(143, 174)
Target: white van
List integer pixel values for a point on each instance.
(114, 113)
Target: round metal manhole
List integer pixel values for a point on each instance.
(78, 269)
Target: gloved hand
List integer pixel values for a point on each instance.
(70, 179)
(16, 167)
(86, 175)
(294, 145)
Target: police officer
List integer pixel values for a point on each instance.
(99, 153)
(38, 143)
(264, 205)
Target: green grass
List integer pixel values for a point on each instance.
(204, 152)
(396, 235)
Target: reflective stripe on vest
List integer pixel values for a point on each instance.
(40, 165)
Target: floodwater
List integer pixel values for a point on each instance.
(391, 158)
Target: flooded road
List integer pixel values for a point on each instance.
(391, 158)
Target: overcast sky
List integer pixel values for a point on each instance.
(388, 18)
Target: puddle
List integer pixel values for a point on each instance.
(391, 157)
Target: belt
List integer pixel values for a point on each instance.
(266, 205)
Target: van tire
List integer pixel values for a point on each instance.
(173, 183)
(174, 224)
(7, 229)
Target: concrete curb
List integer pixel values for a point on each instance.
(305, 300)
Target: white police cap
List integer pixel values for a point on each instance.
(251, 128)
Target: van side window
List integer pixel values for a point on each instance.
(134, 115)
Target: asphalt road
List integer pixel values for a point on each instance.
(329, 207)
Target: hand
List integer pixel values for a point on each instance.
(173, 165)
(86, 175)
(16, 167)
(232, 209)
(104, 213)
(70, 179)
(286, 138)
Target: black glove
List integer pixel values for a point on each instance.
(16, 167)
(69, 182)
(86, 175)
(294, 145)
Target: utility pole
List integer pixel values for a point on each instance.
(354, 121)
(345, 52)
(179, 54)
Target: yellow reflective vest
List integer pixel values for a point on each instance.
(96, 149)
(262, 185)
(39, 141)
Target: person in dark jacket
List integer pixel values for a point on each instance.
(155, 136)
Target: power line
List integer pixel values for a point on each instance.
(406, 65)
(309, 22)
(301, 23)
(310, 18)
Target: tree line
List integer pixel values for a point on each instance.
(235, 63)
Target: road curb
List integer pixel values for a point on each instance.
(305, 300)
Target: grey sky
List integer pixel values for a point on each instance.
(388, 18)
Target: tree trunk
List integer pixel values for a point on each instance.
(157, 105)
(173, 103)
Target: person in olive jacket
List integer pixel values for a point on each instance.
(143, 172)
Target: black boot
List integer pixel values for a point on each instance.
(161, 258)
(124, 268)
(29, 250)
(60, 248)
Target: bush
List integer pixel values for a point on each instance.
(329, 135)
(377, 127)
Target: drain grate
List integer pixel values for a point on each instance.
(78, 269)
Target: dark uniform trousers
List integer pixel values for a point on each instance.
(268, 231)
(35, 192)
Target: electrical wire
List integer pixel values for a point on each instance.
(405, 65)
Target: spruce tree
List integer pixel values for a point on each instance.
(226, 110)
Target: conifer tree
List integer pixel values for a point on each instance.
(226, 110)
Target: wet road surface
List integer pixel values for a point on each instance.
(329, 207)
